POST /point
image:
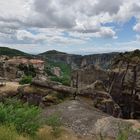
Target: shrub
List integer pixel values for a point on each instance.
(25, 118)
(55, 122)
(28, 70)
(26, 80)
(123, 134)
(65, 80)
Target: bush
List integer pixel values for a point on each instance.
(26, 80)
(25, 118)
(55, 122)
(123, 134)
(28, 70)
(64, 80)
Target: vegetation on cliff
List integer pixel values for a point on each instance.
(127, 57)
(65, 72)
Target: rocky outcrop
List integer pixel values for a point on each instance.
(10, 89)
(17, 67)
(101, 99)
(125, 84)
(125, 91)
(54, 86)
(88, 121)
(122, 83)
(44, 93)
(88, 75)
(77, 61)
(56, 71)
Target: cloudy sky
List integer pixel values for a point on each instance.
(74, 26)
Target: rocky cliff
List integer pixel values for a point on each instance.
(122, 82)
(16, 67)
(101, 60)
(125, 83)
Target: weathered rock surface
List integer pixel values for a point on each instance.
(101, 98)
(16, 67)
(54, 86)
(88, 75)
(86, 120)
(56, 71)
(125, 84)
(44, 93)
(9, 90)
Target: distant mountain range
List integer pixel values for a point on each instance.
(12, 52)
(102, 60)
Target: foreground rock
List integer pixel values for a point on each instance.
(101, 98)
(45, 92)
(9, 90)
(88, 121)
(54, 86)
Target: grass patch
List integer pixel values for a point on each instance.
(26, 80)
(9, 133)
(55, 123)
(25, 118)
(123, 134)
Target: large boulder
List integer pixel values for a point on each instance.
(101, 99)
(89, 121)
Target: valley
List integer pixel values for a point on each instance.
(85, 97)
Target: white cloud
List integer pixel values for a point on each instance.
(63, 22)
(137, 27)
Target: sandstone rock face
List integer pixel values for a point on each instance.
(87, 76)
(91, 82)
(122, 83)
(16, 67)
(125, 91)
(77, 61)
(44, 93)
(56, 71)
(125, 84)
(101, 99)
